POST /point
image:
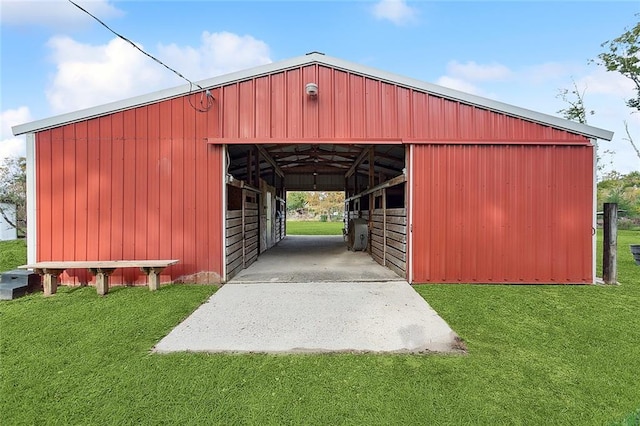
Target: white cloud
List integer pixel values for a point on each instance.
(218, 53)
(88, 75)
(59, 14)
(396, 11)
(473, 71)
(608, 83)
(458, 84)
(12, 146)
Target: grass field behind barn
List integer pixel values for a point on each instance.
(536, 355)
(295, 227)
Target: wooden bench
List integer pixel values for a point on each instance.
(100, 269)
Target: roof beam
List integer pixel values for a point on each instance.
(359, 160)
(270, 160)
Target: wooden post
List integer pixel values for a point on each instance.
(610, 242)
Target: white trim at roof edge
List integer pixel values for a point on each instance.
(32, 231)
(583, 129)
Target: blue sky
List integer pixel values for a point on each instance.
(55, 59)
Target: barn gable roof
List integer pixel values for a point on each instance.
(309, 59)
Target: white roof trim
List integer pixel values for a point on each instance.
(311, 58)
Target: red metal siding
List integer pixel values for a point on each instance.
(503, 214)
(351, 107)
(138, 184)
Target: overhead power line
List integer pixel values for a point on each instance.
(191, 83)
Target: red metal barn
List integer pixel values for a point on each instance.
(454, 187)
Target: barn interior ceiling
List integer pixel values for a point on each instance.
(330, 160)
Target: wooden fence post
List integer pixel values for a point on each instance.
(610, 242)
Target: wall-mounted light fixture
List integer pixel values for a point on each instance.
(311, 89)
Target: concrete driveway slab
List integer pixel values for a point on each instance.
(313, 317)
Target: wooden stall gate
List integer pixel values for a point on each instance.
(389, 239)
(242, 234)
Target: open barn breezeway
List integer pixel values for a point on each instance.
(307, 258)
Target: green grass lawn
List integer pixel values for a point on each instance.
(295, 227)
(12, 254)
(536, 355)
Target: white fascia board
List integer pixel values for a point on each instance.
(32, 231)
(311, 58)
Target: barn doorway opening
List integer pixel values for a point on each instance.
(371, 179)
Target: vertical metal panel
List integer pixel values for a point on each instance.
(230, 110)
(372, 108)
(246, 109)
(310, 104)
(116, 203)
(403, 113)
(68, 165)
(81, 195)
(389, 118)
(278, 106)
(341, 106)
(189, 134)
(57, 181)
(143, 176)
(511, 214)
(295, 99)
(153, 182)
(326, 107)
(420, 109)
(176, 189)
(105, 169)
(205, 187)
(357, 106)
(263, 113)
(92, 188)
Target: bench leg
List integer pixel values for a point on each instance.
(50, 284)
(102, 279)
(153, 277)
(50, 280)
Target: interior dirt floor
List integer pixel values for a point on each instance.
(305, 258)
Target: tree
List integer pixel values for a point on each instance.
(576, 111)
(623, 56)
(13, 190)
(623, 190)
(296, 200)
